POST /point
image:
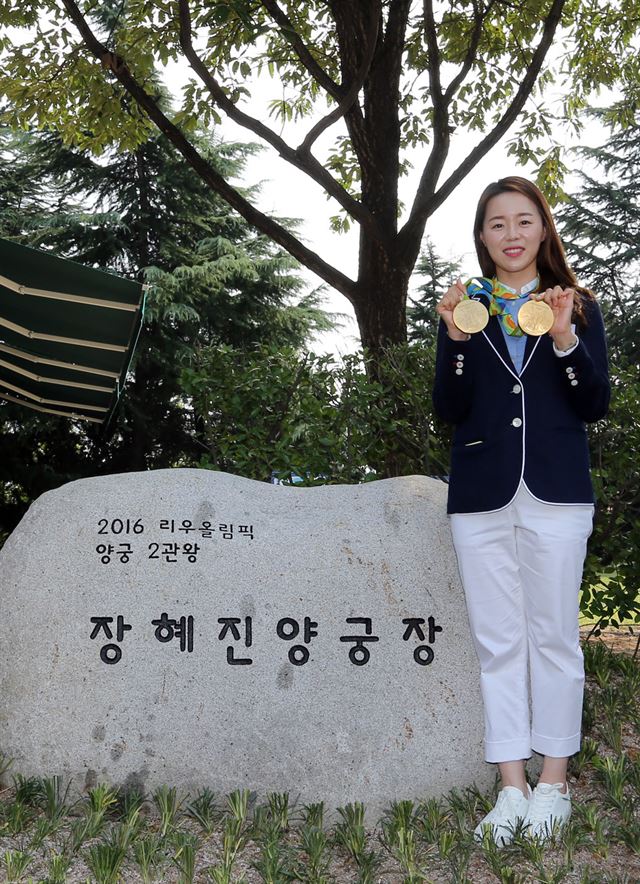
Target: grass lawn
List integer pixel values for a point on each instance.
(105, 837)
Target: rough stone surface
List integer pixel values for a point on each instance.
(327, 729)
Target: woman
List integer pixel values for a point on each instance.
(520, 494)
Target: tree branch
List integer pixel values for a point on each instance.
(354, 89)
(291, 35)
(433, 62)
(460, 77)
(441, 101)
(378, 144)
(302, 160)
(279, 234)
(427, 201)
(441, 135)
(347, 45)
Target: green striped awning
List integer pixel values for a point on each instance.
(67, 333)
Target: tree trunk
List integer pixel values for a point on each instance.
(380, 310)
(380, 300)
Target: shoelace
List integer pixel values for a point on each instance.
(540, 806)
(504, 798)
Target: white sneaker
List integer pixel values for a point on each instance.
(510, 809)
(549, 810)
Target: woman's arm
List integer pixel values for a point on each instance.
(453, 386)
(586, 368)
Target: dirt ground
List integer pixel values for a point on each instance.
(622, 641)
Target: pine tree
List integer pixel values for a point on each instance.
(213, 281)
(600, 226)
(440, 273)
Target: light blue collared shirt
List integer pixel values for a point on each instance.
(515, 343)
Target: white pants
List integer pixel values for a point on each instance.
(521, 568)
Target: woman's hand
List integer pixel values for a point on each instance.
(561, 302)
(445, 308)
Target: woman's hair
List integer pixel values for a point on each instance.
(553, 268)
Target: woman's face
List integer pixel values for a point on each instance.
(512, 232)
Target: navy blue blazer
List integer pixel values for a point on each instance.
(531, 426)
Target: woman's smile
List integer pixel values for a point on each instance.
(512, 232)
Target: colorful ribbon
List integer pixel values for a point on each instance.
(498, 294)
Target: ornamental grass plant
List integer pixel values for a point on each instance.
(51, 836)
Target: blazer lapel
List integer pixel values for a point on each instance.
(529, 350)
(495, 335)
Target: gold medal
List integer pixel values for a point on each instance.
(470, 316)
(535, 318)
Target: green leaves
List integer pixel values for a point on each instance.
(600, 226)
(611, 587)
(53, 79)
(304, 419)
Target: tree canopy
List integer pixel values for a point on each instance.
(387, 75)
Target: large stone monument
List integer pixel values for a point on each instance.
(195, 628)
